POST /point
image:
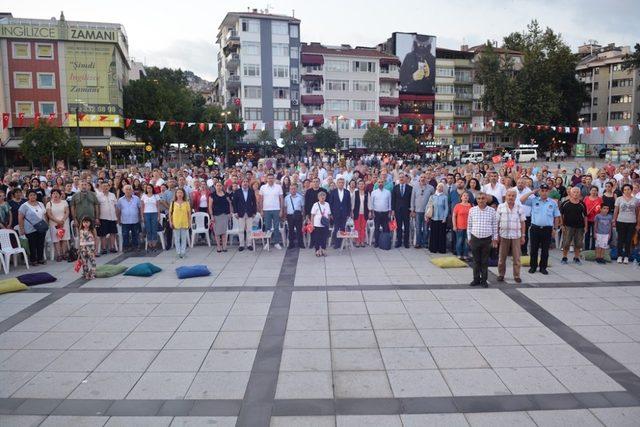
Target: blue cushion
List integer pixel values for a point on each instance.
(32, 279)
(145, 269)
(187, 271)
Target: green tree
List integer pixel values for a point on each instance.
(404, 144)
(293, 138)
(326, 138)
(377, 138)
(632, 60)
(266, 141)
(43, 143)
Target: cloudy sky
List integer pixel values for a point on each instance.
(182, 34)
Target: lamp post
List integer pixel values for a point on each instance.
(225, 114)
(78, 136)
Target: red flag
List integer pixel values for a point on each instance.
(617, 127)
(81, 116)
(510, 163)
(127, 122)
(253, 126)
(52, 117)
(359, 123)
(496, 159)
(36, 120)
(202, 127)
(5, 120)
(219, 125)
(150, 123)
(103, 118)
(289, 126)
(405, 127)
(602, 130)
(171, 122)
(238, 127)
(20, 119)
(181, 125)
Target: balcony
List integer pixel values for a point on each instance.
(232, 36)
(232, 61)
(463, 78)
(386, 101)
(307, 59)
(318, 119)
(312, 99)
(389, 119)
(464, 95)
(389, 78)
(462, 112)
(233, 81)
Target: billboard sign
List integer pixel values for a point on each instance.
(417, 53)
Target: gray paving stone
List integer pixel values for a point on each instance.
(228, 360)
(118, 324)
(516, 320)
(172, 309)
(534, 336)
(433, 420)
(399, 338)
(434, 321)
(191, 340)
(622, 352)
(139, 422)
(160, 324)
(391, 321)
(106, 385)
(475, 320)
(305, 385)
(77, 324)
(557, 355)
(77, 361)
(162, 385)
(50, 385)
(79, 421)
(203, 421)
(574, 417)
(458, 357)
(620, 417)
(145, 341)
(127, 361)
(12, 381)
(17, 340)
(444, 337)
(306, 360)
(21, 420)
(350, 322)
(508, 356)
(308, 323)
(237, 340)
(29, 360)
(201, 323)
(178, 361)
(500, 419)
(361, 384)
(244, 323)
(218, 385)
(356, 359)
(353, 339)
(417, 383)
(303, 421)
(474, 382)
(584, 379)
(36, 324)
(407, 358)
(99, 341)
(306, 339)
(490, 336)
(532, 380)
(368, 420)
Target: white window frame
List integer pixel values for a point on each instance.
(13, 50)
(330, 107)
(276, 71)
(53, 75)
(283, 26)
(253, 25)
(246, 67)
(278, 111)
(362, 66)
(251, 113)
(18, 110)
(331, 62)
(294, 31)
(331, 84)
(248, 44)
(294, 52)
(258, 90)
(286, 92)
(15, 79)
(41, 103)
(45, 58)
(360, 86)
(369, 105)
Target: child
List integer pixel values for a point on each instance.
(179, 221)
(602, 230)
(87, 252)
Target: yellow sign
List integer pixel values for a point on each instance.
(96, 120)
(148, 148)
(58, 31)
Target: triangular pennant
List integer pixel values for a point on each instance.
(237, 127)
(138, 121)
(36, 120)
(52, 117)
(5, 120)
(229, 126)
(81, 116)
(162, 123)
(116, 120)
(150, 123)
(181, 124)
(191, 124)
(20, 119)
(580, 130)
(102, 118)
(210, 126)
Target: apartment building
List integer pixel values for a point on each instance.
(614, 96)
(348, 87)
(259, 68)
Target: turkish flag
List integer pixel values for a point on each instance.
(127, 122)
(5, 120)
(181, 125)
(52, 117)
(496, 159)
(150, 123)
(81, 116)
(510, 163)
(202, 127)
(253, 126)
(36, 120)
(103, 118)
(20, 119)
(238, 127)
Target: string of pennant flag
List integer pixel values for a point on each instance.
(289, 125)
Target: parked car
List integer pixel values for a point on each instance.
(525, 155)
(472, 157)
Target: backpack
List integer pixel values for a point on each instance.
(384, 241)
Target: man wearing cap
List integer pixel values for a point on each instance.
(544, 220)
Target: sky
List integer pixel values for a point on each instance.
(183, 34)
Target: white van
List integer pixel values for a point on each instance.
(472, 157)
(525, 155)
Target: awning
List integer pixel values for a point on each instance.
(318, 119)
(389, 79)
(408, 97)
(389, 119)
(312, 99)
(312, 77)
(310, 59)
(389, 61)
(387, 101)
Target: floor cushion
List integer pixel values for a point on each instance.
(448, 262)
(145, 269)
(108, 270)
(32, 279)
(188, 271)
(525, 261)
(11, 285)
(590, 255)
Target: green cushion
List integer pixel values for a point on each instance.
(448, 262)
(591, 255)
(145, 269)
(525, 261)
(108, 270)
(11, 285)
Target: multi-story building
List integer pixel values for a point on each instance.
(259, 68)
(349, 87)
(59, 70)
(614, 96)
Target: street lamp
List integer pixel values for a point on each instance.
(225, 114)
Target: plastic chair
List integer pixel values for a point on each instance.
(234, 229)
(7, 250)
(370, 231)
(200, 225)
(74, 234)
(48, 245)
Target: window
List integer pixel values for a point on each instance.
(280, 49)
(281, 93)
(312, 86)
(388, 111)
(46, 81)
(364, 105)
(294, 52)
(596, 70)
(25, 107)
(252, 92)
(47, 108)
(594, 117)
(252, 114)
(250, 48)
(251, 70)
(312, 68)
(477, 105)
(622, 83)
(596, 85)
(337, 66)
(463, 75)
(22, 80)
(364, 86)
(338, 85)
(357, 143)
(250, 25)
(617, 67)
(281, 114)
(281, 71)
(621, 99)
(44, 51)
(337, 104)
(444, 106)
(364, 67)
(595, 101)
(295, 94)
(295, 115)
(620, 115)
(293, 72)
(294, 32)
(279, 27)
(21, 50)
(445, 89)
(444, 72)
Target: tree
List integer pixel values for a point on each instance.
(326, 138)
(293, 138)
(632, 60)
(404, 144)
(41, 144)
(266, 141)
(377, 138)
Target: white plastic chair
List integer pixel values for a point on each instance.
(370, 231)
(234, 230)
(48, 245)
(283, 234)
(74, 234)
(7, 250)
(200, 225)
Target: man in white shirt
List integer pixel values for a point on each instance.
(380, 204)
(521, 189)
(108, 225)
(494, 188)
(272, 202)
(511, 227)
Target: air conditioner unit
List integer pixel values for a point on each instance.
(294, 102)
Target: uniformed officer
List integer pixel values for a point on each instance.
(544, 221)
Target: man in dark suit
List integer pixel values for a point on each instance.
(311, 197)
(400, 210)
(340, 202)
(244, 209)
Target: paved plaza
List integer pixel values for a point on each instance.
(283, 338)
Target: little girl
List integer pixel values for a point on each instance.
(87, 251)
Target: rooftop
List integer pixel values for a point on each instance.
(343, 50)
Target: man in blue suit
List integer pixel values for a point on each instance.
(400, 209)
(340, 202)
(244, 208)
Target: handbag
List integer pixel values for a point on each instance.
(40, 226)
(393, 225)
(324, 221)
(429, 212)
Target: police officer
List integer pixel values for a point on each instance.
(544, 221)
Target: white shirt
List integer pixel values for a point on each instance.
(322, 174)
(150, 203)
(318, 211)
(498, 191)
(380, 200)
(340, 194)
(271, 197)
(107, 205)
(525, 209)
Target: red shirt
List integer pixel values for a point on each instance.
(461, 214)
(593, 207)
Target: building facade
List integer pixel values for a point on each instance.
(614, 96)
(347, 88)
(58, 70)
(259, 69)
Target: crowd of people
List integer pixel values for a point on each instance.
(479, 212)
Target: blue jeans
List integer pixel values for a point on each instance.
(462, 248)
(151, 226)
(181, 238)
(422, 230)
(271, 221)
(134, 229)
